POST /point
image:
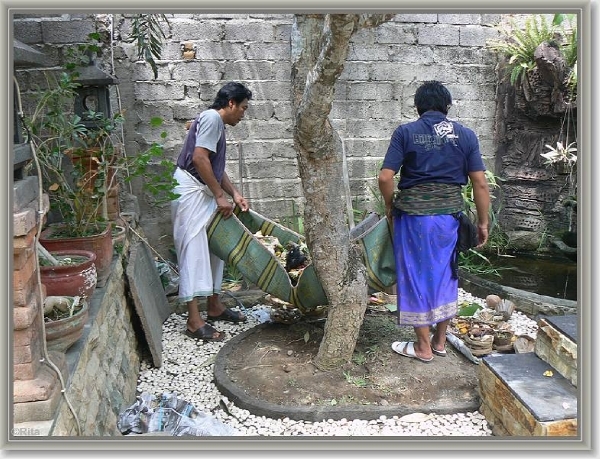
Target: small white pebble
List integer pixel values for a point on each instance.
(193, 382)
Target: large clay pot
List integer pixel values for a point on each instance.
(100, 244)
(77, 279)
(63, 333)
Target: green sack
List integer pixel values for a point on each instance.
(374, 236)
(233, 241)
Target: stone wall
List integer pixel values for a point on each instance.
(104, 368)
(373, 95)
(98, 373)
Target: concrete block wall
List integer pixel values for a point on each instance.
(373, 95)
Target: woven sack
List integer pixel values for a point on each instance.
(233, 241)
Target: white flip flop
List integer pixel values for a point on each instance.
(407, 349)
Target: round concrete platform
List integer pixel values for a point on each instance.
(445, 404)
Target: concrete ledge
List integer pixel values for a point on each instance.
(555, 345)
(518, 399)
(531, 304)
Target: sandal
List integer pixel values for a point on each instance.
(441, 353)
(407, 349)
(228, 315)
(205, 333)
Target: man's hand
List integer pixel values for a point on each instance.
(224, 207)
(241, 202)
(482, 233)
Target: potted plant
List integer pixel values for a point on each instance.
(541, 52)
(64, 320)
(76, 165)
(80, 159)
(68, 272)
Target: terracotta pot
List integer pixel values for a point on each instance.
(88, 163)
(92, 164)
(100, 244)
(63, 333)
(71, 280)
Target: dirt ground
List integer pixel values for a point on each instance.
(274, 363)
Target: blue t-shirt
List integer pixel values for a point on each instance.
(207, 131)
(433, 149)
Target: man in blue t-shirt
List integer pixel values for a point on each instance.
(435, 157)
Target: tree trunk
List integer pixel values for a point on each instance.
(319, 50)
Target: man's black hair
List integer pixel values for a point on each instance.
(231, 91)
(433, 95)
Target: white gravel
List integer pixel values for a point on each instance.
(187, 372)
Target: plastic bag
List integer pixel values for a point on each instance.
(168, 277)
(169, 414)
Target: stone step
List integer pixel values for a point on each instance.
(556, 344)
(522, 395)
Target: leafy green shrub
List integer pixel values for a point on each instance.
(519, 45)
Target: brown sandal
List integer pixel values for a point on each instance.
(228, 316)
(205, 333)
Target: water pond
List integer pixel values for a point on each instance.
(554, 277)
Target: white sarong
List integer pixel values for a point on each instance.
(200, 272)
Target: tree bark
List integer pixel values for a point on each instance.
(319, 50)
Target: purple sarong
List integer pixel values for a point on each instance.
(424, 248)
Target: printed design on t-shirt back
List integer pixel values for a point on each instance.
(444, 133)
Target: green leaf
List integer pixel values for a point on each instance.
(391, 307)
(468, 309)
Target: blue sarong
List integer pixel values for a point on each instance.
(424, 248)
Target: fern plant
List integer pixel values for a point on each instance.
(519, 45)
(568, 29)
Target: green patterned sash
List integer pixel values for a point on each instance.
(430, 199)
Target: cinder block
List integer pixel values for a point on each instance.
(26, 371)
(25, 192)
(22, 296)
(24, 353)
(23, 256)
(38, 410)
(27, 241)
(42, 385)
(27, 336)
